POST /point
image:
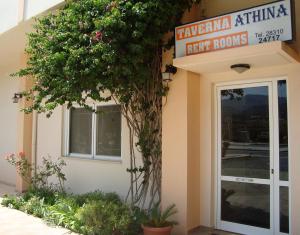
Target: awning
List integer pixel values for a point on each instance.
(258, 56)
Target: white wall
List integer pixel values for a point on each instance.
(11, 11)
(83, 175)
(8, 127)
(35, 7)
(8, 14)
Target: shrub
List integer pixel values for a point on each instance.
(94, 213)
(39, 180)
(12, 202)
(34, 206)
(160, 218)
(63, 212)
(48, 169)
(139, 217)
(22, 165)
(96, 196)
(105, 218)
(49, 195)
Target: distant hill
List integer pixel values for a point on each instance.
(249, 105)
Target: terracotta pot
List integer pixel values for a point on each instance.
(157, 231)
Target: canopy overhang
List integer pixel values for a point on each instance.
(257, 56)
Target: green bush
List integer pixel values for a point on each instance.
(105, 218)
(94, 213)
(12, 202)
(96, 196)
(34, 206)
(63, 212)
(49, 195)
(138, 217)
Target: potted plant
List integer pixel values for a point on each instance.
(158, 222)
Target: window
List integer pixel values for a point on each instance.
(94, 135)
(108, 138)
(80, 131)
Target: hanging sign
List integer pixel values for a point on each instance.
(266, 23)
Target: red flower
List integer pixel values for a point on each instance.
(98, 36)
(9, 156)
(21, 154)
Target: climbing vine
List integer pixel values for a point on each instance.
(90, 47)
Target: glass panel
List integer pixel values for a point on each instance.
(284, 209)
(108, 141)
(80, 131)
(245, 203)
(283, 130)
(245, 132)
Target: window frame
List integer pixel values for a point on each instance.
(93, 155)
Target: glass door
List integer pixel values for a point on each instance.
(248, 191)
(281, 156)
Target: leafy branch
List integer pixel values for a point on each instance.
(103, 50)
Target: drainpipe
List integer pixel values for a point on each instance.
(34, 141)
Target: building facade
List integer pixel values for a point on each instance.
(230, 154)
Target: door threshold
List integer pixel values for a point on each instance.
(209, 231)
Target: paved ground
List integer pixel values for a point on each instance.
(209, 231)
(14, 222)
(6, 189)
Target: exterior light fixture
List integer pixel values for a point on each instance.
(240, 68)
(17, 97)
(170, 69)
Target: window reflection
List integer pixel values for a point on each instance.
(108, 142)
(284, 209)
(245, 132)
(283, 130)
(245, 203)
(80, 130)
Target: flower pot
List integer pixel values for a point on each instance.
(157, 231)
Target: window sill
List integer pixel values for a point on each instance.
(116, 159)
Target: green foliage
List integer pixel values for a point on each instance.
(34, 206)
(102, 50)
(47, 194)
(49, 168)
(94, 45)
(158, 218)
(104, 217)
(106, 214)
(22, 165)
(12, 202)
(93, 213)
(39, 180)
(63, 212)
(95, 196)
(139, 217)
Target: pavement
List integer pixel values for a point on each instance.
(14, 222)
(6, 189)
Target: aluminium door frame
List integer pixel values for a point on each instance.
(274, 149)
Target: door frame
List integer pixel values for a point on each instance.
(274, 151)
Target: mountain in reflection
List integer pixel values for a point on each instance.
(248, 103)
(246, 118)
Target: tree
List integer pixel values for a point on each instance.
(92, 46)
